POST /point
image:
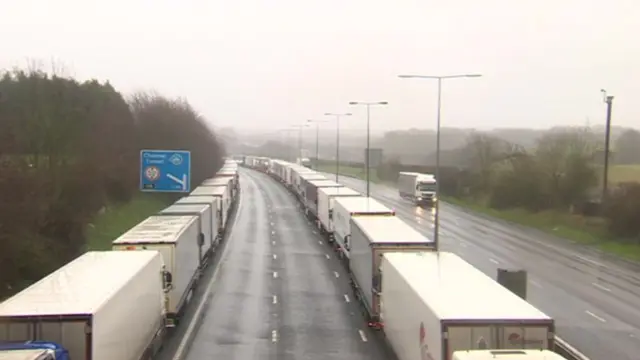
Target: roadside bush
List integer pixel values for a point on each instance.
(67, 150)
(623, 211)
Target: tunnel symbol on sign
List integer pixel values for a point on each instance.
(152, 173)
(175, 159)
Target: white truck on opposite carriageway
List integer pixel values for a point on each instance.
(371, 237)
(435, 303)
(418, 188)
(103, 305)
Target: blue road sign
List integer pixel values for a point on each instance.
(165, 171)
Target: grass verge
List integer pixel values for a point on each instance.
(357, 172)
(624, 173)
(579, 229)
(114, 221)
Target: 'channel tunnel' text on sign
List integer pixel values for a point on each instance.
(165, 171)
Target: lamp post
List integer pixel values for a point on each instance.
(317, 122)
(368, 105)
(338, 116)
(608, 99)
(436, 219)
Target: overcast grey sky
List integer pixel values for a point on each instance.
(272, 63)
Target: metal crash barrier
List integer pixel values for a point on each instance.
(563, 348)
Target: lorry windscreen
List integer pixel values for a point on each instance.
(426, 187)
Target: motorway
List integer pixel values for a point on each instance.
(277, 291)
(593, 298)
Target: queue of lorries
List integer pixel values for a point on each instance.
(121, 304)
(426, 304)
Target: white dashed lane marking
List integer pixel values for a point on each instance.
(601, 287)
(595, 316)
(363, 336)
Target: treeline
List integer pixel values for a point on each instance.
(70, 148)
(562, 172)
(410, 147)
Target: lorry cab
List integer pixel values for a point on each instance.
(419, 188)
(426, 188)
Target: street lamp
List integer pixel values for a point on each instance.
(608, 99)
(436, 218)
(368, 105)
(317, 122)
(300, 127)
(337, 139)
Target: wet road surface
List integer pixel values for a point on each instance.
(278, 292)
(593, 298)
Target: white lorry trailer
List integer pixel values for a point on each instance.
(326, 197)
(418, 188)
(223, 193)
(294, 173)
(301, 178)
(224, 180)
(372, 237)
(30, 354)
(233, 175)
(216, 213)
(347, 207)
(507, 355)
(435, 303)
(176, 238)
(310, 189)
(207, 238)
(103, 305)
(278, 169)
